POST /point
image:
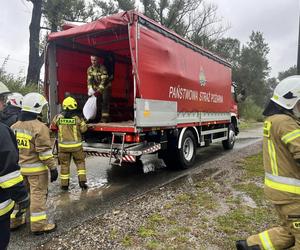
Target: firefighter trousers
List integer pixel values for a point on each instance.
(65, 161)
(37, 186)
(5, 233)
(284, 236)
(103, 104)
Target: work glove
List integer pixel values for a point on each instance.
(53, 174)
(23, 204)
(97, 93)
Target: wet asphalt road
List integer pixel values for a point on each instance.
(109, 186)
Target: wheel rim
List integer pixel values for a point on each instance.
(188, 149)
(231, 136)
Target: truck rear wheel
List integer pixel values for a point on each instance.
(229, 143)
(183, 157)
(187, 151)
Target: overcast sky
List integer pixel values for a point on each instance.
(278, 20)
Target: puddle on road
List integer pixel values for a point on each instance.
(107, 181)
(103, 181)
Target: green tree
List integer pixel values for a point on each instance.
(254, 68)
(193, 19)
(58, 11)
(15, 83)
(52, 12)
(35, 58)
(105, 8)
(289, 72)
(229, 49)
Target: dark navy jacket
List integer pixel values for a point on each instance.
(10, 115)
(11, 182)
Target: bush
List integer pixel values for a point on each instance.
(17, 84)
(249, 110)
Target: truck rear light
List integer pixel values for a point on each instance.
(132, 138)
(129, 138)
(137, 138)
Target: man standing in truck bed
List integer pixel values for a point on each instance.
(99, 85)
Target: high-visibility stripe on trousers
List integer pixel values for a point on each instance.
(6, 206)
(38, 186)
(65, 161)
(284, 236)
(35, 217)
(265, 240)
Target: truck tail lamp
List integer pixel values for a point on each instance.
(132, 138)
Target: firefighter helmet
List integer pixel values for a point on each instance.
(3, 89)
(287, 92)
(69, 103)
(33, 102)
(15, 99)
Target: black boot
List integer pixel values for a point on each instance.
(242, 245)
(83, 185)
(65, 188)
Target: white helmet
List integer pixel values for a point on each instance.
(287, 92)
(34, 102)
(3, 89)
(15, 99)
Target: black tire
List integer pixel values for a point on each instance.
(187, 153)
(229, 143)
(182, 158)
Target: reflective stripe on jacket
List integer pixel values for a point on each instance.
(69, 131)
(34, 145)
(281, 151)
(11, 179)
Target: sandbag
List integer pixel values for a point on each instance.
(90, 108)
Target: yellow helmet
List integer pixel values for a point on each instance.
(69, 103)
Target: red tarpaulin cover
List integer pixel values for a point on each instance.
(167, 66)
(109, 22)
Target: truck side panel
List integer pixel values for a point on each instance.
(170, 71)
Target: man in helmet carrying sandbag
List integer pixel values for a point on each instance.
(99, 77)
(36, 159)
(12, 110)
(281, 155)
(69, 126)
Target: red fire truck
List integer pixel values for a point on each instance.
(169, 96)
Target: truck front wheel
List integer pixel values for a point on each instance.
(229, 143)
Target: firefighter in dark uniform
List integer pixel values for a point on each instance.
(99, 85)
(281, 155)
(12, 110)
(12, 189)
(70, 125)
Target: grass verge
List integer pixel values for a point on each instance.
(209, 214)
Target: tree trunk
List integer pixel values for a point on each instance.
(35, 60)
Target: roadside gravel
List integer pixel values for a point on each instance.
(180, 215)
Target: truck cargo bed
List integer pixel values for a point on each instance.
(126, 126)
